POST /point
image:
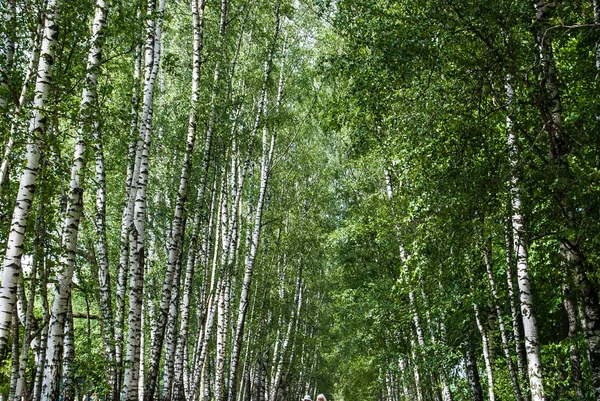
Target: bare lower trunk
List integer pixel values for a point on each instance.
(41, 355)
(496, 303)
(279, 362)
(416, 371)
(20, 385)
(60, 305)
(14, 365)
(171, 340)
(489, 368)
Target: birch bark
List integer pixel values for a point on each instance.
(89, 118)
(487, 252)
(489, 368)
(19, 387)
(267, 155)
(137, 234)
(532, 347)
(68, 392)
(37, 128)
(279, 362)
(176, 235)
(550, 107)
(126, 221)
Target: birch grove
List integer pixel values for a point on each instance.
(261, 200)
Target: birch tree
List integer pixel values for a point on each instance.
(37, 128)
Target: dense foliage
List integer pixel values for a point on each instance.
(238, 200)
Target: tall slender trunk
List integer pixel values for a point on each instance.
(14, 363)
(416, 370)
(137, 234)
(489, 368)
(37, 129)
(515, 310)
(550, 107)
(530, 328)
(487, 252)
(126, 221)
(171, 340)
(403, 372)
(89, 118)
(41, 356)
(60, 305)
(20, 385)
(197, 45)
(267, 155)
(176, 236)
(279, 362)
(528, 315)
(205, 332)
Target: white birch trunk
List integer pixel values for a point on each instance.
(250, 257)
(139, 378)
(90, 108)
(89, 118)
(14, 363)
(62, 290)
(510, 249)
(41, 355)
(37, 128)
(515, 308)
(416, 371)
(402, 365)
(27, 335)
(496, 302)
(280, 358)
(532, 347)
(68, 392)
(197, 45)
(126, 222)
(171, 340)
(137, 235)
(489, 368)
(205, 333)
